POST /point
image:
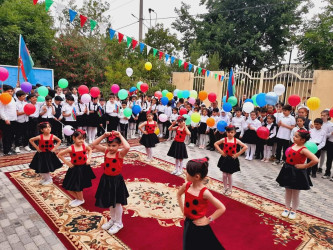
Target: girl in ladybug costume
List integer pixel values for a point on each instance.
(228, 162)
(293, 175)
(197, 231)
(45, 160)
(178, 147)
(79, 174)
(112, 192)
(149, 138)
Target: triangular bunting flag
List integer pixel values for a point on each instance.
(190, 67)
(215, 76)
(83, 20)
(48, 4)
(208, 72)
(180, 62)
(220, 77)
(172, 59)
(154, 52)
(72, 15)
(35, 2)
(112, 32)
(204, 72)
(129, 41)
(148, 49)
(166, 57)
(120, 37)
(185, 65)
(142, 46)
(160, 54)
(134, 43)
(194, 68)
(93, 24)
(199, 70)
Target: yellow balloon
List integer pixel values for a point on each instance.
(148, 66)
(195, 117)
(313, 103)
(169, 95)
(157, 131)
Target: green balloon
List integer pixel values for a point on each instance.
(195, 117)
(193, 94)
(188, 119)
(164, 92)
(232, 100)
(43, 91)
(311, 146)
(122, 94)
(254, 99)
(41, 99)
(63, 83)
(127, 112)
(180, 94)
(138, 85)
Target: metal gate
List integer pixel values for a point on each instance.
(198, 82)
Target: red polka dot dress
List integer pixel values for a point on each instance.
(292, 177)
(178, 147)
(151, 139)
(80, 175)
(45, 161)
(112, 188)
(197, 237)
(228, 164)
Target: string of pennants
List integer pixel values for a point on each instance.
(134, 43)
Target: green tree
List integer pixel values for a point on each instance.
(34, 23)
(247, 33)
(316, 43)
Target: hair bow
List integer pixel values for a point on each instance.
(81, 131)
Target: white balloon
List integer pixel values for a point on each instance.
(175, 92)
(279, 89)
(86, 98)
(248, 107)
(163, 117)
(68, 130)
(129, 72)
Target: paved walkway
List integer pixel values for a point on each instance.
(21, 227)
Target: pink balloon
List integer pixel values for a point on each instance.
(163, 117)
(212, 97)
(83, 89)
(191, 100)
(115, 88)
(86, 98)
(158, 94)
(94, 92)
(3, 74)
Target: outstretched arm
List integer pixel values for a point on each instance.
(180, 192)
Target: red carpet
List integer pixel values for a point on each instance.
(250, 221)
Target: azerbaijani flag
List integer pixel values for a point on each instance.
(231, 84)
(25, 61)
(99, 111)
(74, 113)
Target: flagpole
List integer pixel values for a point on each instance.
(19, 65)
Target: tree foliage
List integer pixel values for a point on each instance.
(33, 23)
(316, 43)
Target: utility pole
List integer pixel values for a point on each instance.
(140, 20)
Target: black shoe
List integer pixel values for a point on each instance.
(212, 149)
(313, 176)
(208, 148)
(320, 170)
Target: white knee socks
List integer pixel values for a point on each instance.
(267, 152)
(292, 198)
(116, 214)
(92, 131)
(250, 151)
(227, 181)
(46, 176)
(322, 158)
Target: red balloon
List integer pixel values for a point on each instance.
(212, 97)
(294, 100)
(94, 92)
(144, 87)
(331, 112)
(29, 109)
(158, 94)
(263, 132)
(182, 111)
(83, 89)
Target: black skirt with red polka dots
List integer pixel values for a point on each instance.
(178, 150)
(294, 178)
(111, 190)
(228, 164)
(45, 162)
(199, 237)
(149, 141)
(78, 177)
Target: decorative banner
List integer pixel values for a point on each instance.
(72, 15)
(112, 32)
(120, 37)
(142, 46)
(166, 57)
(129, 41)
(208, 72)
(154, 52)
(220, 77)
(93, 24)
(83, 20)
(199, 70)
(160, 54)
(185, 65)
(195, 68)
(180, 62)
(204, 72)
(172, 59)
(190, 67)
(35, 2)
(134, 43)
(215, 76)
(148, 49)
(48, 4)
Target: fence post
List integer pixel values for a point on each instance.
(261, 82)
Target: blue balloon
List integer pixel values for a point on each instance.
(164, 100)
(248, 100)
(186, 94)
(227, 107)
(132, 89)
(261, 99)
(136, 109)
(271, 98)
(224, 99)
(221, 126)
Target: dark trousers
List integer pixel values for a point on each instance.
(101, 130)
(113, 123)
(166, 125)
(237, 137)
(21, 134)
(314, 168)
(57, 129)
(281, 145)
(212, 138)
(329, 150)
(260, 148)
(32, 129)
(8, 133)
(123, 129)
(194, 135)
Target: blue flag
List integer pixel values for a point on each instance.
(172, 59)
(142, 46)
(112, 32)
(190, 67)
(72, 15)
(166, 57)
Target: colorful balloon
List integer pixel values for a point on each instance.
(63, 83)
(144, 87)
(212, 97)
(83, 89)
(254, 99)
(180, 94)
(43, 91)
(227, 107)
(29, 109)
(138, 85)
(127, 112)
(122, 94)
(331, 112)
(148, 66)
(271, 98)
(157, 131)
(261, 99)
(41, 98)
(210, 122)
(175, 92)
(221, 126)
(202, 95)
(194, 94)
(248, 100)
(263, 132)
(26, 87)
(279, 89)
(195, 117)
(94, 92)
(129, 72)
(3, 74)
(158, 94)
(5, 98)
(187, 119)
(294, 100)
(86, 98)
(164, 100)
(182, 111)
(115, 88)
(232, 100)
(164, 92)
(68, 130)
(136, 109)
(169, 96)
(132, 89)
(313, 103)
(248, 107)
(186, 94)
(311, 146)
(191, 100)
(163, 117)
(224, 99)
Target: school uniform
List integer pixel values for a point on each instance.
(153, 109)
(238, 122)
(112, 115)
(102, 120)
(211, 134)
(93, 117)
(69, 120)
(145, 106)
(21, 126)
(329, 148)
(33, 123)
(8, 113)
(317, 136)
(250, 136)
(283, 136)
(63, 97)
(81, 115)
(167, 124)
(48, 115)
(57, 126)
(123, 123)
(194, 131)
